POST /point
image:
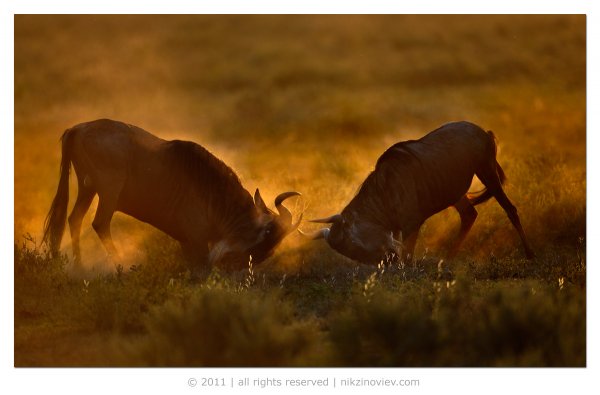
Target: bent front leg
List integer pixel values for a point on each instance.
(196, 257)
(408, 245)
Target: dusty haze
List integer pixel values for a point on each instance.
(309, 103)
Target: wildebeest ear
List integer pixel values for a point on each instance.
(260, 203)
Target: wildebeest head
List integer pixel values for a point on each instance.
(358, 240)
(267, 232)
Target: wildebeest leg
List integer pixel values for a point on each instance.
(196, 256)
(468, 215)
(107, 205)
(82, 204)
(489, 177)
(511, 211)
(409, 244)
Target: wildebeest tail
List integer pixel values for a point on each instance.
(484, 195)
(54, 226)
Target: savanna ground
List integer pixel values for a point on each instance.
(308, 103)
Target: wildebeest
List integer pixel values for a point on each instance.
(177, 186)
(412, 181)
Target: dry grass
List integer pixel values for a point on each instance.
(309, 103)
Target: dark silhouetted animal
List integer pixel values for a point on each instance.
(176, 186)
(412, 181)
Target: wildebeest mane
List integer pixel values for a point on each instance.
(208, 178)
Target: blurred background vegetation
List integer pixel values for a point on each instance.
(308, 103)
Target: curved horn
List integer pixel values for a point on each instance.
(328, 220)
(259, 202)
(319, 234)
(284, 213)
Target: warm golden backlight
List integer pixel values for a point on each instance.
(308, 103)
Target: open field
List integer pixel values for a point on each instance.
(308, 103)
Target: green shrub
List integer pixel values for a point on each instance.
(462, 323)
(218, 327)
(386, 329)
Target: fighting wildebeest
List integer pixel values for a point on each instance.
(412, 181)
(176, 186)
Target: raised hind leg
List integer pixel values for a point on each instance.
(468, 215)
(489, 177)
(82, 204)
(108, 198)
